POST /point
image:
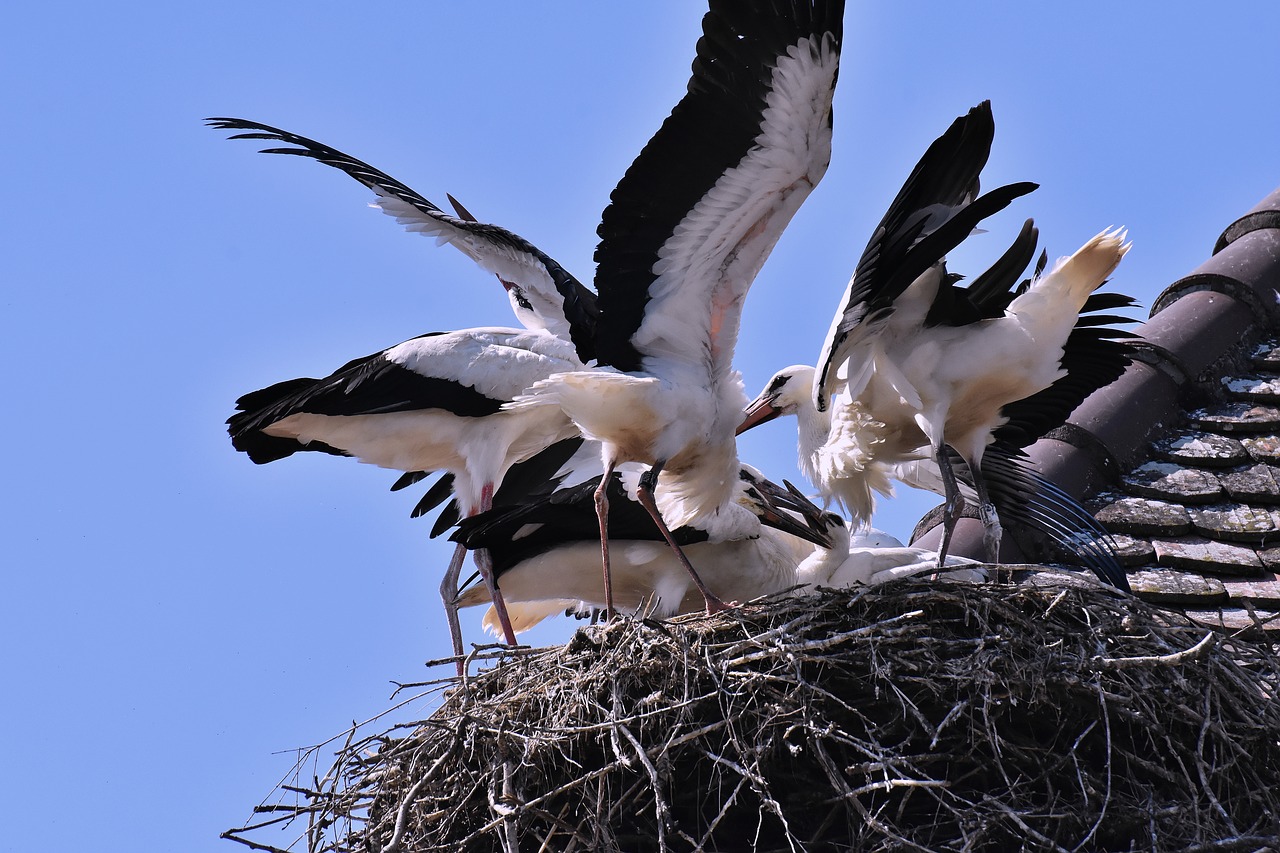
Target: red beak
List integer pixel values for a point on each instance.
(759, 411)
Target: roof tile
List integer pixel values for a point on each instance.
(1264, 448)
(1255, 484)
(1197, 554)
(1266, 356)
(1202, 448)
(1167, 481)
(1264, 592)
(1262, 389)
(1168, 587)
(1238, 417)
(1237, 523)
(1131, 551)
(1144, 517)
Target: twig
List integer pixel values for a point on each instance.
(1172, 659)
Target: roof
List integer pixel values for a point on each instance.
(1180, 457)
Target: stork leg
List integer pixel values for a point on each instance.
(485, 564)
(449, 593)
(602, 515)
(953, 503)
(991, 530)
(648, 480)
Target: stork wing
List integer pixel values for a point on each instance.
(469, 373)
(1095, 355)
(543, 293)
(695, 216)
(934, 212)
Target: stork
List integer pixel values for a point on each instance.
(434, 402)
(545, 549)
(545, 558)
(920, 368)
(687, 229)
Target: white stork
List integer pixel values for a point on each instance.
(434, 402)
(546, 562)
(687, 229)
(917, 365)
(545, 548)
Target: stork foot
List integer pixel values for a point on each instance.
(715, 605)
(992, 533)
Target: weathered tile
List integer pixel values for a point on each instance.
(1165, 586)
(1237, 523)
(1238, 417)
(1236, 618)
(1261, 389)
(1172, 482)
(1145, 517)
(1267, 356)
(1270, 558)
(1204, 555)
(1035, 575)
(1264, 448)
(1255, 484)
(1131, 551)
(1213, 451)
(1264, 592)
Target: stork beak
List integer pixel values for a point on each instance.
(788, 523)
(760, 410)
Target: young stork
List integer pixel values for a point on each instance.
(545, 549)
(431, 403)
(545, 558)
(543, 294)
(918, 366)
(687, 229)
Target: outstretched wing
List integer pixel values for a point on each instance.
(697, 213)
(936, 209)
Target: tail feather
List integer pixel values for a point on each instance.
(1063, 291)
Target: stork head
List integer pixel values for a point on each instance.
(788, 390)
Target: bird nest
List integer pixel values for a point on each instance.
(908, 716)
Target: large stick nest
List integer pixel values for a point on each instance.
(909, 716)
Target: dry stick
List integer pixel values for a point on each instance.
(701, 843)
(826, 642)
(1106, 799)
(1200, 769)
(840, 784)
(1172, 659)
(402, 814)
(1017, 819)
(252, 845)
(510, 836)
(662, 812)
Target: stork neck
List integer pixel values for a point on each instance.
(812, 430)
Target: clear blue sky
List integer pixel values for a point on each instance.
(174, 616)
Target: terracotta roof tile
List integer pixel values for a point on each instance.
(1237, 417)
(1237, 523)
(1203, 449)
(1169, 481)
(1163, 586)
(1132, 551)
(1144, 517)
(1264, 448)
(1264, 592)
(1199, 554)
(1253, 484)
